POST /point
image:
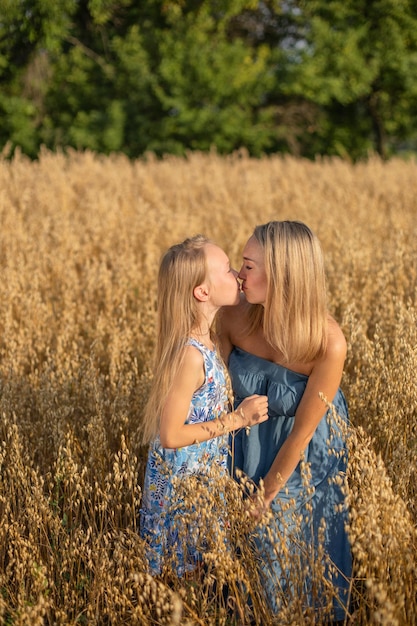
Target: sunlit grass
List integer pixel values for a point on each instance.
(80, 243)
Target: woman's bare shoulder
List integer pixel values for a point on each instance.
(336, 343)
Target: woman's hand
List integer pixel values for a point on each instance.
(257, 506)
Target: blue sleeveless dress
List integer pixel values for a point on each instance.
(299, 508)
(161, 509)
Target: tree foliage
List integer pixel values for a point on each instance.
(359, 60)
(167, 76)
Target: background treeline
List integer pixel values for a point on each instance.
(169, 76)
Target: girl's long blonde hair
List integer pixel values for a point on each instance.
(294, 318)
(182, 268)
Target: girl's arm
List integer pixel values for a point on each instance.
(325, 377)
(175, 433)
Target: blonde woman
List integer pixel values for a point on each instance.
(187, 419)
(281, 341)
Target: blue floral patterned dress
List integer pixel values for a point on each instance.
(160, 513)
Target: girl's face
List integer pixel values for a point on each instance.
(224, 287)
(252, 273)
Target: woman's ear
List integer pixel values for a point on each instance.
(201, 292)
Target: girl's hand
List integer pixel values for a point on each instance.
(253, 410)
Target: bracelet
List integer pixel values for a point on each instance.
(240, 413)
(223, 426)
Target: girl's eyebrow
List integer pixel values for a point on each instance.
(247, 258)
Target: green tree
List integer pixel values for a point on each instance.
(161, 77)
(357, 62)
(305, 76)
(91, 100)
(213, 84)
(29, 31)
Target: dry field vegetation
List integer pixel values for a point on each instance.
(80, 241)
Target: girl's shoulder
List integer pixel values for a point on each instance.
(193, 351)
(192, 360)
(191, 367)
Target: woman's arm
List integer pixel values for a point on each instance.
(325, 378)
(175, 433)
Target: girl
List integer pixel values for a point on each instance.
(186, 419)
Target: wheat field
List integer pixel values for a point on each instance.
(80, 242)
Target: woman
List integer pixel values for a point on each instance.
(280, 341)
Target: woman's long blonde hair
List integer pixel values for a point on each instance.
(182, 268)
(294, 317)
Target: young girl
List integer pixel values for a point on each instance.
(186, 419)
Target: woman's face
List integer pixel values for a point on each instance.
(252, 273)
